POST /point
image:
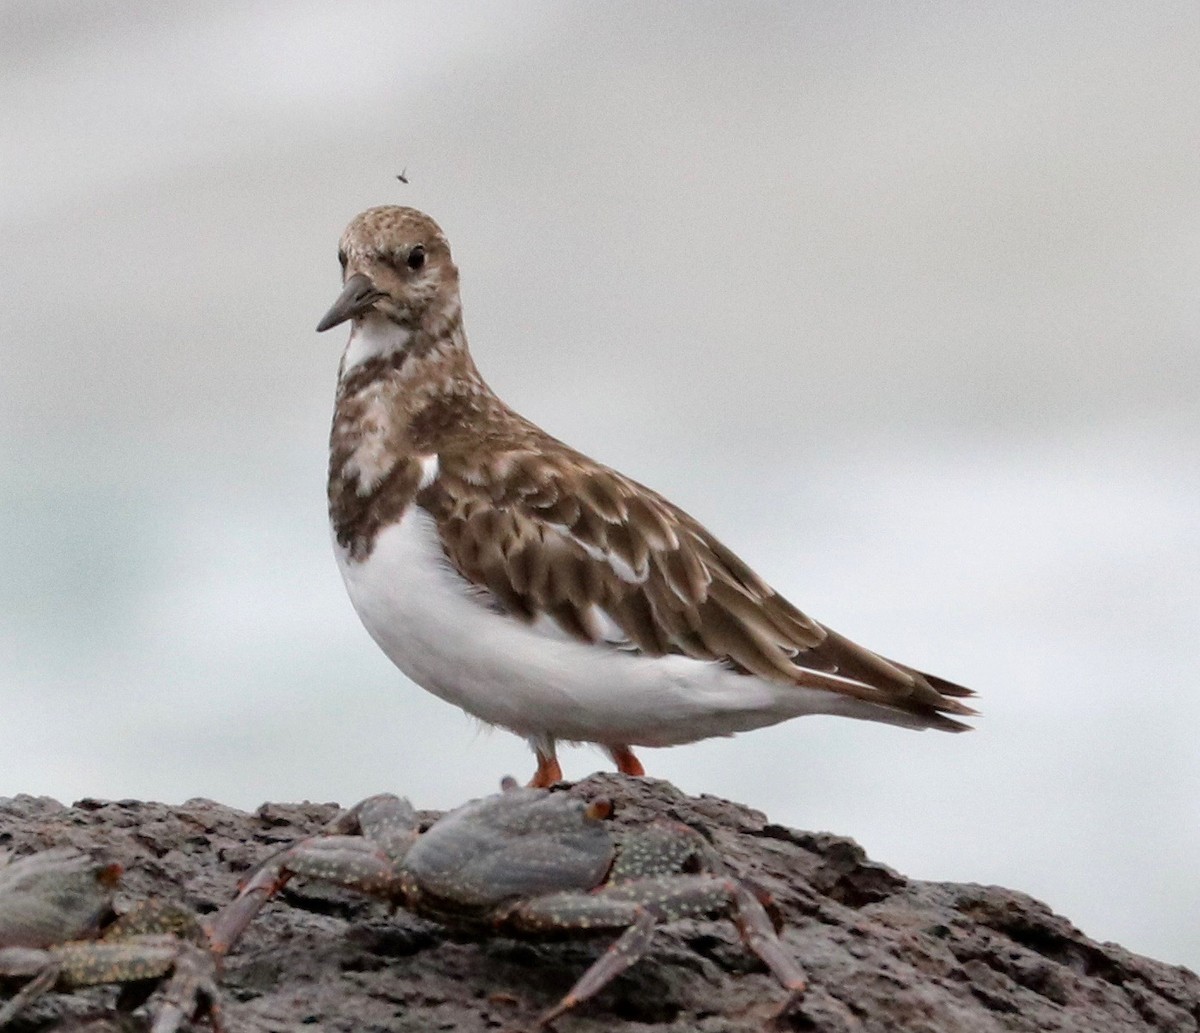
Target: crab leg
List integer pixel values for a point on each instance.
(639, 905)
(356, 851)
(622, 953)
(350, 861)
(138, 958)
(193, 981)
(31, 991)
(758, 933)
(231, 921)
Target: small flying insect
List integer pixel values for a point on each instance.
(403, 175)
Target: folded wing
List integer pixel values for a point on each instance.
(577, 549)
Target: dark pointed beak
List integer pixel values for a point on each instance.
(357, 296)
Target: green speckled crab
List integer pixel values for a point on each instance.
(525, 863)
(58, 931)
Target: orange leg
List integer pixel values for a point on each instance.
(625, 761)
(548, 771)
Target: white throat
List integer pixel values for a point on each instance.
(371, 337)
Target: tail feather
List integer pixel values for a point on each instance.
(923, 699)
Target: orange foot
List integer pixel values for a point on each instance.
(548, 772)
(626, 762)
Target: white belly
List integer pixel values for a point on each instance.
(439, 631)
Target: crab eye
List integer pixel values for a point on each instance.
(416, 257)
(342, 259)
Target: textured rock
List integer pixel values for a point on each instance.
(883, 953)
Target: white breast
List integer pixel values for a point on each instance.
(438, 629)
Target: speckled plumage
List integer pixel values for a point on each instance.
(430, 469)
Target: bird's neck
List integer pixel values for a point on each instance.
(396, 411)
(402, 392)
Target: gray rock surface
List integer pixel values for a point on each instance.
(883, 953)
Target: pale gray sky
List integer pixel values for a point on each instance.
(900, 299)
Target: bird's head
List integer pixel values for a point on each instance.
(396, 269)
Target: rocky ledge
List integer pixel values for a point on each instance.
(883, 953)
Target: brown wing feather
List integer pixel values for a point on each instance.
(557, 534)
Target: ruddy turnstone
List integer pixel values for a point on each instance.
(533, 587)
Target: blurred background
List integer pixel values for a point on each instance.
(899, 299)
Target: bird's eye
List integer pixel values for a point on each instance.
(342, 259)
(416, 257)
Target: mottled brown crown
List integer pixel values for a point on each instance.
(378, 230)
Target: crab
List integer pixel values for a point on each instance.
(526, 863)
(58, 930)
